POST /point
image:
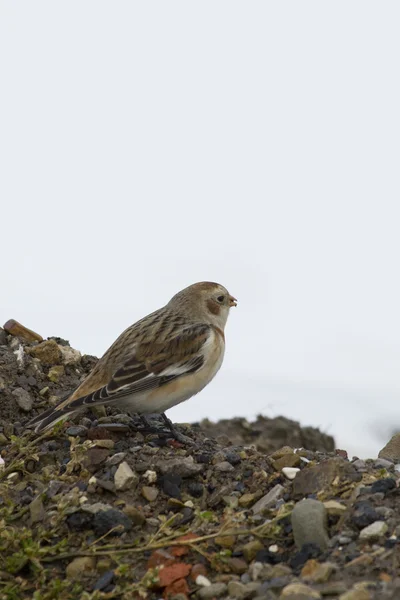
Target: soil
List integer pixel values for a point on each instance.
(97, 508)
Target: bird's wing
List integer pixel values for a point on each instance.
(152, 365)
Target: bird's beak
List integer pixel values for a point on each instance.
(232, 301)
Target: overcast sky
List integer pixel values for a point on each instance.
(145, 146)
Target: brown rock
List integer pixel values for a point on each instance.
(392, 449)
(284, 451)
(317, 572)
(134, 514)
(47, 352)
(237, 565)
(299, 591)
(251, 548)
(329, 474)
(14, 328)
(225, 541)
(287, 460)
(94, 457)
(172, 573)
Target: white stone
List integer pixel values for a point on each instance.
(150, 476)
(124, 477)
(203, 581)
(290, 472)
(274, 548)
(373, 531)
(70, 356)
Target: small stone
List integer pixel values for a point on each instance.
(47, 352)
(79, 566)
(115, 459)
(44, 391)
(104, 580)
(150, 476)
(36, 509)
(14, 328)
(364, 514)
(70, 356)
(309, 522)
(299, 591)
(182, 466)
(237, 565)
(316, 572)
(215, 590)
(374, 531)
(3, 440)
(284, 451)
(241, 590)
(224, 467)
(355, 594)
(109, 444)
(13, 477)
(382, 463)
(269, 500)
(149, 493)
(196, 489)
(334, 508)
(287, 460)
(324, 476)
(76, 431)
(246, 500)
(125, 478)
(290, 472)
(251, 548)
(202, 581)
(94, 457)
(23, 399)
(55, 373)
(225, 541)
(134, 514)
(360, 465)
(383, 485)
(112, 521)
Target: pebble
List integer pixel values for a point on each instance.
(115, 459)
(364, 514)
(251, 548)
(23, 399)
(134, 514)
(299, 591)
(239, 590)
(47, 352)
(104, 580)
(106, 520)
(290, 472)
(124, 477)
(374, 531)
(76, 431)
(382, 463)
(55, 373)
(149, 493)
(383, 485)
(182, 466)
(81, 564)
(288, 460)
(202, 581)
(14, 328)
(360, 465)
(269, 500)
(70, 356)
(224, 467)
(355, 594)
(215, 590)
(309, 523)
(151, 476)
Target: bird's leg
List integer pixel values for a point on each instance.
(177, 435)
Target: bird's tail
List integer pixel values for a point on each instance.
(50, 417)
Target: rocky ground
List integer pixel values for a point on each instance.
(97, 509)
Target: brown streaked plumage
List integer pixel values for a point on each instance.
(158, 362)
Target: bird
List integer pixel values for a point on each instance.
(161, 360)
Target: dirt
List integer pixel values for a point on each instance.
(98, 509)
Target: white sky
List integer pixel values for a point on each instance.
(148, 145)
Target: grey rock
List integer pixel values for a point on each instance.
(76, 431)
(3, 337)
(23, 399)
(309, 523)
(224, 467)
(106, 521)
(374, 531)
(392, 449)
(125, 478)
(269, 500)
(240, 590)
(182, 466)
(215, 590)
(360, 465)
(115, 459)
(383, 463)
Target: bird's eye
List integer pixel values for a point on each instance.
(221, 299)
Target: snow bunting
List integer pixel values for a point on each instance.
(160, 361)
